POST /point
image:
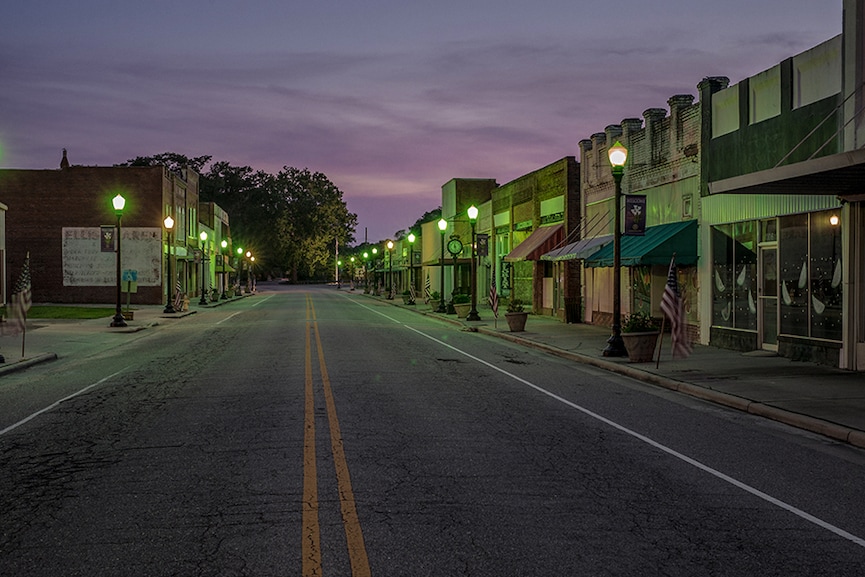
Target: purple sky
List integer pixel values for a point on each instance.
(390, 99)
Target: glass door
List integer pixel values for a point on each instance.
(768, 298)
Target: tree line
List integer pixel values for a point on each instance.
(290, 220)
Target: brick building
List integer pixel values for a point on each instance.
(57, 217)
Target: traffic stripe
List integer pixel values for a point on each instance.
(311, 546)
(311, 550)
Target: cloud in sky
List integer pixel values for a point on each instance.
(389, 99)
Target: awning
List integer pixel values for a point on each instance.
(581, 249)
(839, 174)
(655, 247)
(539, 242)
(224, 268)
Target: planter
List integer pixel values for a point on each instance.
(517, 321)
(640, 346)
(462, 309)
(407, 300)
(128, 315)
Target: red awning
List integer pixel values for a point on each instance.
(541, 241)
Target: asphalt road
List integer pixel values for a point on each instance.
(310, 431)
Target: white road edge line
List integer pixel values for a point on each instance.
(56, 404)
(694, 463)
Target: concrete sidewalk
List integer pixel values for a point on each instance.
(813, 397)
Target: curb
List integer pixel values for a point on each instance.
(22, 364)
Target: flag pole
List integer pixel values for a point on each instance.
(660, 343)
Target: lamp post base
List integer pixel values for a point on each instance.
(615, 346)
(442, 308)
(473, 316)
(169, 309)
(118, 321)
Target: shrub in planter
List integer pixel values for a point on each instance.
(516, 316)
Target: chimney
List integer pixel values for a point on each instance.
(64, 162)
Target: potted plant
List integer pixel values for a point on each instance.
(640, 335)
(462, 304)
(434, 300)
(516, 316)
(407, 298)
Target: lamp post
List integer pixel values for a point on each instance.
(203, 237)
(411, 239)
(169, 303)
(365, 273)
(239, 270)
(390, 269)
(473, 313)
(375, 280)
(443, 225)
(119, 203)
(248, 270)
(351, 274)
(224, 245)
(618, 154)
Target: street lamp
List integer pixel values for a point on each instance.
(224, 245)
(376, 289)
(351, 260)
(473, 313)
(390, 269)
(119, 203)
(443, 226)
(248, 270)
(618, 154)
(169, 303)
(411, 239)
(365, 273)
(239, 270)
(203, 237)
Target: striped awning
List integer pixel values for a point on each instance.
(541, 241)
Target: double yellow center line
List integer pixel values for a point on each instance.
(311, 540)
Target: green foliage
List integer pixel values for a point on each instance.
(515, 306)
(461, 299)
(639, 322)
(290, 220)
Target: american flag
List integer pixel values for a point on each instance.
(427, 289)
(674, 308)
(178, 296)
(22, 298)
(494, 295)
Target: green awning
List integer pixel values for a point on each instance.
(655, 247)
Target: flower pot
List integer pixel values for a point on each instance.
(462, 310)
(517, 321)
(640, 346)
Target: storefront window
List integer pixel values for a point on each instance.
(641, 282)
(734, 275)
(745, 275)
(722, 275)
(825, 275)
(793, 271)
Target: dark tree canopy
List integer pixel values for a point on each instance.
(290, 220)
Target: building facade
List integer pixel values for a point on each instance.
(64, 219)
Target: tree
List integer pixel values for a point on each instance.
(290, 220)
(173, 161)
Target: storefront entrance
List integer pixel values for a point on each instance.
(768, 297)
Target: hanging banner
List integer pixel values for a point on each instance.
(106, 236)
(483, 241)
(635, 215)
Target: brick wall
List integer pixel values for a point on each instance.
(42, 202)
